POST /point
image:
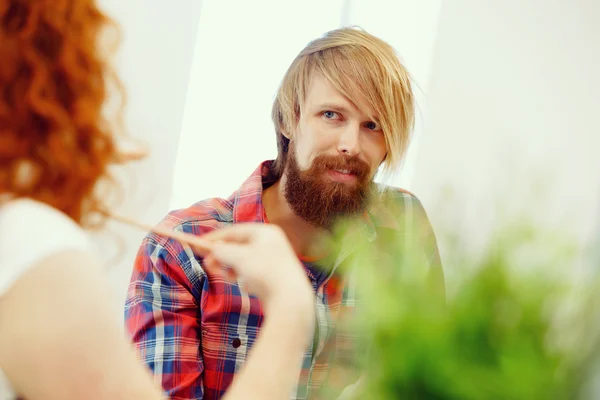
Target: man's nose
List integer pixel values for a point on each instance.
(349, 140)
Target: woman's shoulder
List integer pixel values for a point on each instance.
(31, 231)
(33, 219)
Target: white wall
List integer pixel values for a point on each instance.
(154, 64)
(514, 99)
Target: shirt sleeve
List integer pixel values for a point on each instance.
(427, 242)
(414, 241)
(162, 315)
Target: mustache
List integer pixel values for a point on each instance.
(355, 165)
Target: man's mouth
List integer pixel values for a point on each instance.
(342, 175)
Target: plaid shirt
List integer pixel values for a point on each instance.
(194, 330)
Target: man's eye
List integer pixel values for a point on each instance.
(330, 114)
(372, 126)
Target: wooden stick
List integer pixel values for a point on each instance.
(200, 247)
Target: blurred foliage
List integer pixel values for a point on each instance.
(517, 325)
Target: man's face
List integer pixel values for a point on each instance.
(333, 156)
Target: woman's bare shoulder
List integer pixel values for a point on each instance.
(30, 232)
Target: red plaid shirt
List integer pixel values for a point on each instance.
(194, 330)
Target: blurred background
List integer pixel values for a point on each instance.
(508, 96)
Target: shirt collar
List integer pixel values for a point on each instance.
(247, 200)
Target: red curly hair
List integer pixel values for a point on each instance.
(56, 144)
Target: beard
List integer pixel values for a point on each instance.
(320, 200)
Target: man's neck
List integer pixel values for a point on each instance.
(306, 240)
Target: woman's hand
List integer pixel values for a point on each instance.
(262, 259)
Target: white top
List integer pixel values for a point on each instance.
(31, 231)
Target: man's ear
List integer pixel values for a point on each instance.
(286, 135)
(290, 134)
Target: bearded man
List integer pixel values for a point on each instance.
(344, 110)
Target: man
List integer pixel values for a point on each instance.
(344, 108)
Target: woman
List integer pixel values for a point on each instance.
(59, 337)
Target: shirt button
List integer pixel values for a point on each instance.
(236, 343)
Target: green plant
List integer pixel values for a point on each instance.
(516, 326)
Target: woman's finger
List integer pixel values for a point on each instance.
(213, 267)
(233, 254)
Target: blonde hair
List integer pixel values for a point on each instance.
(360, 66)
